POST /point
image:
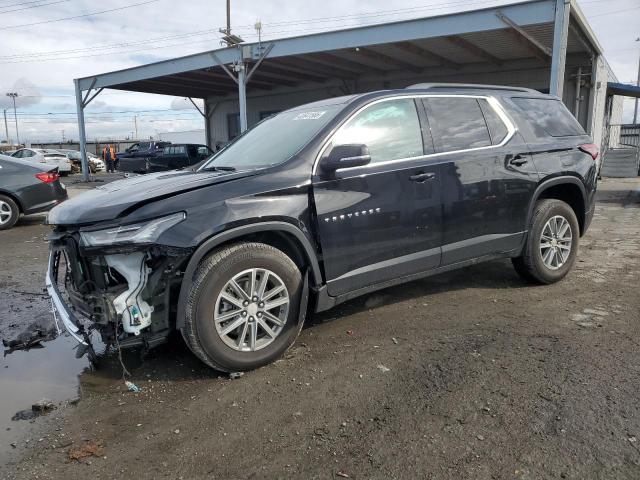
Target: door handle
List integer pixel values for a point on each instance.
(422, 177)
(518, 161)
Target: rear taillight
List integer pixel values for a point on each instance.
(47, 177)
(590, 148)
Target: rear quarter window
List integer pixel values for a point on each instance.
(549, 117)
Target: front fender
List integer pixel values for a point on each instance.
(239, 232)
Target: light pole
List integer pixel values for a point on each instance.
(14, 95)
(635, 110)
(6, 126)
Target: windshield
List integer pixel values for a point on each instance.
(274, 140)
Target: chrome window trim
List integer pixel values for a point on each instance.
(492, 101)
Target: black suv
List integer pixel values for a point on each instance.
(317, 205)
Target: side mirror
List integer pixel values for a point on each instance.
(345, 156)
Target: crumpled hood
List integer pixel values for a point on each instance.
(110, 201)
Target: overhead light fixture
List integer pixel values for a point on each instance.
(230, 39)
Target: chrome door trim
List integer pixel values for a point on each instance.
(492, 101)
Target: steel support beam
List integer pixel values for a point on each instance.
(81, 132)
(428, 54)
(526, 39)
(559, 58)
(208, 110)
(474, 49)
(359, 68)
(242, 96)
(386, 59)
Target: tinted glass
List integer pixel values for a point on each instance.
(497, 128)
(274, 140)
(390, 129)
(457, 124)
(549, 117)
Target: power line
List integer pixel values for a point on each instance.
(33, 6)
(11, 27)
(396, 11)
(108, 46)
(112, 53)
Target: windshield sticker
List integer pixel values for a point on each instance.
(309, 115)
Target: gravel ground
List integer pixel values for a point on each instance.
(471, 374)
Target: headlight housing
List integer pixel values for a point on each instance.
(143, 232)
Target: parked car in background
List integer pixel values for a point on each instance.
(95, 163)
(173, 157)
(27, 187)
(320, 204)
(52, 157)
(142, 149)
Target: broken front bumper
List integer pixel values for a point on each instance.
(60, 310)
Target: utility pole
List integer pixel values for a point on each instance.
(635, 110)
(228, 38)
(14, 95)
(6, 126)
(228, 17)
(135, 125)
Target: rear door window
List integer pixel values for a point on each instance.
(390, 129)
(457, 123)
(549, 117)
(497, 129)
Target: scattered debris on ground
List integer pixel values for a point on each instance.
(41, 330)
(88, 449)
(42, 407)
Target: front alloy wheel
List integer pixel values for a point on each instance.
(243, 308)
(251, 310)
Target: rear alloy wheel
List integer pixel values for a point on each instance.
(243, 308)
(9, 213)
(552, 243)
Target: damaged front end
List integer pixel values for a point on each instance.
(116, 281)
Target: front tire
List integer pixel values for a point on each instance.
(243, 308)
(552, 243)
(9, 212)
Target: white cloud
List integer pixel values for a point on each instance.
(28, 94)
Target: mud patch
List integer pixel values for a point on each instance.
(27, 376)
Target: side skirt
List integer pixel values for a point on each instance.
(325, 301)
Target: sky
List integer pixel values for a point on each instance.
(45, 44)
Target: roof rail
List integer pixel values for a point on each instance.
(472, 86)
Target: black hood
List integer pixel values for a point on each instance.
(115, 199)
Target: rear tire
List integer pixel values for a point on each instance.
(552, 243)
(214, 305)
(9, 212)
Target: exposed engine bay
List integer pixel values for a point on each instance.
(128, 294)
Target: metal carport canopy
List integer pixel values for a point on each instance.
(528, 29)
(527, 13)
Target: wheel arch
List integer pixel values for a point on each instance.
(570, 190)
(282, 235)
(15, 198)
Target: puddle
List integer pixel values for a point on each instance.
(27, 376)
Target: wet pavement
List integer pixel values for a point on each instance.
(50, 369)
(27, 376)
